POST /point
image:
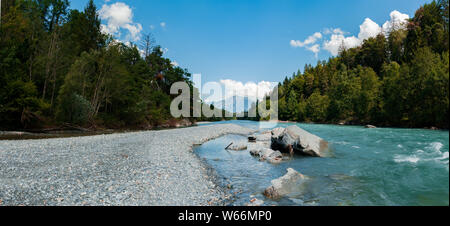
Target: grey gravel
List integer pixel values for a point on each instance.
(138, 169)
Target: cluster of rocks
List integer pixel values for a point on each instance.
(279, 144)
(271, 145)
(291, 140)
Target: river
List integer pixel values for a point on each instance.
(369, 167)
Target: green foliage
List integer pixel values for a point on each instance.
(74, 109)
(20, 104)
(56, 64)
(429, 91)
(396, 45)
(367, 103)
(395, 92)
(373, 53)
(317, 106)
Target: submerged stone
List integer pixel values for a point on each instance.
(237, 147)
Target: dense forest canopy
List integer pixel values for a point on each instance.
(397, 79)
(58, 67)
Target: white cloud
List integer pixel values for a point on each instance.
(398, 21)
(119, 16)
(134, 31)
(314, 48)
(338, 38)
(310, 40)
(249, 89)
(368, 29)
(174, 63)
(163, 24)
(231, 88)
(328, 31)
(164, 50)
(309, 43)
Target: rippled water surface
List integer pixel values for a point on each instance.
(383, 166)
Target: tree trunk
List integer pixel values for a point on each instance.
(49, 62)
(54, 74)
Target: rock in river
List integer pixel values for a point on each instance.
(268, 154)
(285, 184)
(299, 141)
(237, 146)
(265, 154)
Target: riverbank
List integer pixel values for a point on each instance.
(138, 168)
(66, 130)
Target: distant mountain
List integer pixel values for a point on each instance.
(235, 104)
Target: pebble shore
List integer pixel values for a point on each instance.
(151, 168)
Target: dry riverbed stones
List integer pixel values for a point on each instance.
(138, 169)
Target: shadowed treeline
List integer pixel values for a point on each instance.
(58, 67)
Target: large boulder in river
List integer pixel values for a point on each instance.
(285, 184)
(297, 140)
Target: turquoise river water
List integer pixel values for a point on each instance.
(369, 167)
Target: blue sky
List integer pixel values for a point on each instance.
(249, 40)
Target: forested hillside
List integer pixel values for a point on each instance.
(401, 79)
(56, 67)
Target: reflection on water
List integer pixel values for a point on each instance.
(382, 166)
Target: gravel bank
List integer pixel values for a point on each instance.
(141, 168)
